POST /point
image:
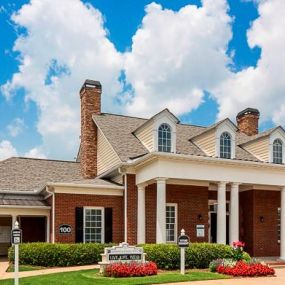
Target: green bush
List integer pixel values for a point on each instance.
(198, 255)
(51, 255)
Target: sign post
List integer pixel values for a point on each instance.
(183, 242)
(16, 236)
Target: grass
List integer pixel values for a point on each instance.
(23, 268)
(88, 277)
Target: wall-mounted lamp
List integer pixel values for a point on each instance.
(261, 219)
(200, 217)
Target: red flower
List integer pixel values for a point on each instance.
(133, 269)
(238, 244)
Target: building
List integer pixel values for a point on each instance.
(142, 180)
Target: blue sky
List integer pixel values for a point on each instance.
(30, 123)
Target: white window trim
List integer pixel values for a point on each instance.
(176, 223)
(103, 221)
(226, 128)
(164, 119)
(274, 136)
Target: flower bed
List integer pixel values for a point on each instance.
(133, 269)
(244, 269)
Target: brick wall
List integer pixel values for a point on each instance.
(132, 200)
(65, 205)
(191, 201)
(261, 238)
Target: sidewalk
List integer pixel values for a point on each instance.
(3, 266)
(8, 275)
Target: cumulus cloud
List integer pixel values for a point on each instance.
(176, 56)
(6, 150)
(262, 86)
(61, 43)
(35, 153)
(16, 127)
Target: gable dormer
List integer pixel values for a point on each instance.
(159, 132)
(218, 140)
(268, 146)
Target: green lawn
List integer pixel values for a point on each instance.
(88, 277)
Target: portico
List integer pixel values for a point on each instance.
(244, 178)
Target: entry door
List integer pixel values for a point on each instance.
(213, 226)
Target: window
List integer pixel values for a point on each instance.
(225, 145)
(164, 138)
(171, 228)
(277, 151)
(93, 225)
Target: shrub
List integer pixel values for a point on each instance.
(51, 255)
(198, 255)
(244, 269)
(133, 269)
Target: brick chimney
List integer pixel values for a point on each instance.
(247, 121)
(90, 97)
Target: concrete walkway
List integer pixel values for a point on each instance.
(279, 280)
(9, 275)
(3, 266)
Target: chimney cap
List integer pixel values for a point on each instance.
(91, 84)
(247, 111)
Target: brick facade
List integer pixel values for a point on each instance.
(132, 200)
(191, 201)
(90, 104)
(261, 237)
(65, 205)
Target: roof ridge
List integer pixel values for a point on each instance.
(42, 159)
(120, 115)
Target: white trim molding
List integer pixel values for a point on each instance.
(176, 222)
(277, 134)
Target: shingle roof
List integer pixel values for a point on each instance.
(29, 174)
(22, 200)
(119, 130)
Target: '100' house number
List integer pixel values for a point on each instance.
(65, 229)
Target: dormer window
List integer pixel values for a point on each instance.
(225, 145)
(164, 138)
(277, 151)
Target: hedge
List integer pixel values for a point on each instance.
(166, 256)
(198, 255)
(51, 255)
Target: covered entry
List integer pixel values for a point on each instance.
(34, 222)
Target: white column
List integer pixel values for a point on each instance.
(161, 211)
(234, 213)
(222, 214)
(14, 219)
(282, 225)
(141, 214)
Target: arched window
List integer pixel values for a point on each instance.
(164, 138)
(277, 151)
(225, 145)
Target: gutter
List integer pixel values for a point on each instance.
(95, 186)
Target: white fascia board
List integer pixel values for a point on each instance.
(92, 186)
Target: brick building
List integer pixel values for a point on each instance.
(142, 180)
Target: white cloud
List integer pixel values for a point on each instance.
(6, 150)
(16, 127)
(175, 56)
(262, 86)
(35, 153)
(64, 44)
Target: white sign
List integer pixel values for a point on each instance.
(122, 253)
(200, 230)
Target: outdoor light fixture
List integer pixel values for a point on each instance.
(200, 217)
(261, 219)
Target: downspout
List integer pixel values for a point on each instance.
(126, 208)
(52, 214)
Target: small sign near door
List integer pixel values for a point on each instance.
(200, 230)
